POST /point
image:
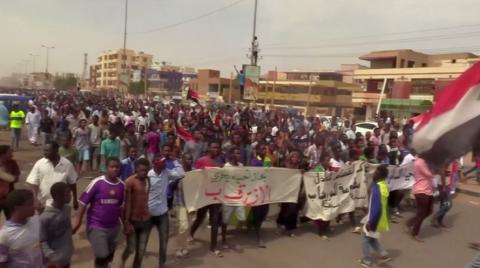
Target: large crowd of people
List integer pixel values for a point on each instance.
(141, 150)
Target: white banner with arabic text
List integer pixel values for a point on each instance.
(241, 186)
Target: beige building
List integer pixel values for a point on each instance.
(313, 93)
(113, 63)
(413, 78)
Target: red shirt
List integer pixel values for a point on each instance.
(205, 162)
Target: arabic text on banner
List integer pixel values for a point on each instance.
(330, 194)
(401, 177)
(241, 186)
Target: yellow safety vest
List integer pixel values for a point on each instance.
(16, 123)
(383, 225)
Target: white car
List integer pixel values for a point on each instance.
(365, 127)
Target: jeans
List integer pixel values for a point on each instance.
(424, 209)
(445, 205)
(137, 242)
(369, 244)
(161, 222)
(16, 133)
(214, 212)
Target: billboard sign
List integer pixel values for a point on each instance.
(252, 78)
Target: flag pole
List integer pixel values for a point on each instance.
(381, 96)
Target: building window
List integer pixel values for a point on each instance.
(454, 60)
(124, 57)
(424, 65)
(423, 86)
(411, 64)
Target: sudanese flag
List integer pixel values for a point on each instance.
(193, 95)
(452, 127)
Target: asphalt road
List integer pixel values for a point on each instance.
(442, 249)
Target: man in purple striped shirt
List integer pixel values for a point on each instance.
(104, 197)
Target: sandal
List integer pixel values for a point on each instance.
(217, 253)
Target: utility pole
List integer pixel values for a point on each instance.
(124, 54)
(254, 52)
(230, 88)
(47, 48)
(26, 66)
(34, 56)
(309, 95)
(85, 66)
(273, 87)
(145, 81)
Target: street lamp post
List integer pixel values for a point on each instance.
(34, 56)
(25, 62)
(47, 48)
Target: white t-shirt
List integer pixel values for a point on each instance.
(336, 164)
(44, 175)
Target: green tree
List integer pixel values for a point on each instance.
(65, 83)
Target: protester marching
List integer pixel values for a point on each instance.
(158, 162)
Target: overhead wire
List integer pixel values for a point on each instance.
(399, 40)
(189, 20)
(386, 34)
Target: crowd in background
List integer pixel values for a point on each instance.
(143, 147)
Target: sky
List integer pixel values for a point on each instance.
(315, 35)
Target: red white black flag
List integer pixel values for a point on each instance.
(193, 95)
(452, 127)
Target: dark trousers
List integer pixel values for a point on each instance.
(323, 227)
(242, 90)
(288, 216)
(137, 242)
(424, 209)
(395, 198)
(214, 212)
(259, 214)
(162, 225)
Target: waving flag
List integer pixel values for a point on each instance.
(193, 95)
(452, 127)
(181, 132)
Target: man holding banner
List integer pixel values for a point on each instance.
(214, 210)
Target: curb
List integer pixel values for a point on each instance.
(468, 192)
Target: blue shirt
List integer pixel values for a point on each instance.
(157, 196)
(127, 168)
(241, 79)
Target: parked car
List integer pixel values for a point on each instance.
(365, 127)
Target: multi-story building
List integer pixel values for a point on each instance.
(113, 63)
(210, 85)
(314, 93)
(413, 79)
